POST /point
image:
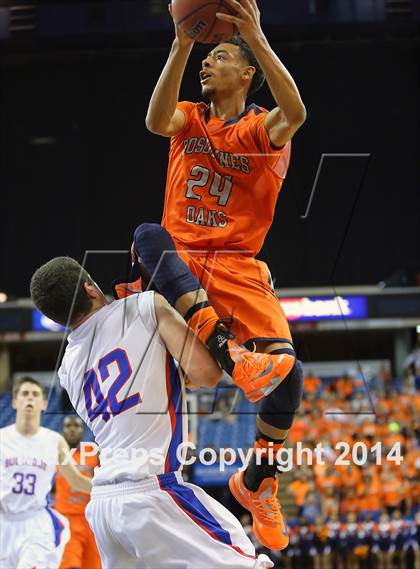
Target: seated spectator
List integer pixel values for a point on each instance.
(350, 477)
(330, 479)
(361, 404)
(393, 491)
(369, 492)
(383, 546)
(329, 502)
(393, 436)
(350, 503)
(344, 387)
(299, 488)
(353, 538)
(322, 545)
(297, 432)
(312, 507)
(312, 385)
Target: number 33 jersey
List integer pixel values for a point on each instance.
(223, 180)
(28, 465)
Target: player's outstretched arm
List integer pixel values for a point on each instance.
(194, 358)
(284, 120)
(163, 117)
(77, 481)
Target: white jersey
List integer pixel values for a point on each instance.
(28, 466)
(125, 385)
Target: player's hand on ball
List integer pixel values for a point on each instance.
(246, 20)
(182, 38)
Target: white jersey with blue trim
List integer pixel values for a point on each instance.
(125, 385)
(27, 468)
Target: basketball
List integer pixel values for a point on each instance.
(197, 18)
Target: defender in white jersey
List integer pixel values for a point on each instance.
(33, 534)
(121, 374)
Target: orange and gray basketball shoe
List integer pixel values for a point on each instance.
(256, 374)
(268, 524)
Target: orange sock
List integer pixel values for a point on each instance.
(266, 446)
(203, 322)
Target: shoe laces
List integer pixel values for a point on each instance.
(250, 361)
(269, 510)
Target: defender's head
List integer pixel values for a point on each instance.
(73, 430)
(28, 397)
(231, 67)
(65, 292)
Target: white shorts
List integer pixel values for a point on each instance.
(163, 522)
(34, 540)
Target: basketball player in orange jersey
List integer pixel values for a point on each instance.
(81, 551)
(227, 163)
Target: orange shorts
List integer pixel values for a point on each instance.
(240, 286)
(81, 550)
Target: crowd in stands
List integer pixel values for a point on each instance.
(358, 515)
(365, 513)
(346, 543)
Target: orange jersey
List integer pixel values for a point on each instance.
(349, 505)
(297, 431)
(299, 489)
(392, 491)
(68, 502)
(223, 181)
(311, 384)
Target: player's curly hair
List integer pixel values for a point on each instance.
(259, 78)
(57, 290)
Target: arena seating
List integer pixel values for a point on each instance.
(236, 430)
(52, 418)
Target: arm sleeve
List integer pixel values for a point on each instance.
(277, 158)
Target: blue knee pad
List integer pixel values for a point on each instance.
(278, 409)
(168, 273)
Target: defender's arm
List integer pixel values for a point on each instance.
(77, 481)
(194, 358)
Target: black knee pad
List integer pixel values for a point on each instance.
(278, 409)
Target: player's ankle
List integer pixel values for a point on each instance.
(256, 473)
(263, 463)
(218, 344)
